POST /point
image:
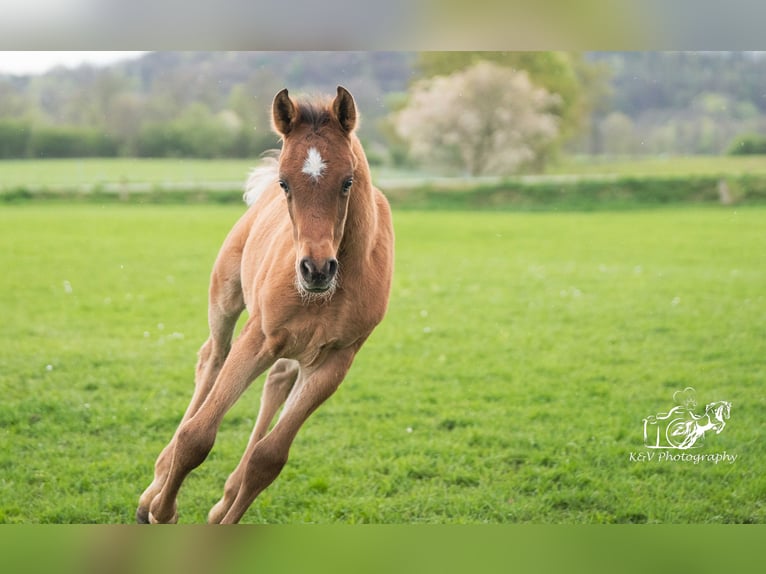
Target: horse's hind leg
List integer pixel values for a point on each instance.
(278, 385)
(264, 459)
(225, 306)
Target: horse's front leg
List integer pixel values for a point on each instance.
(211, 358)
(226, 305)
(265, 457)
(249, 357)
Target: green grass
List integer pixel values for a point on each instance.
(62, 173)
(662, 165)
(507, 384)
(68, 173)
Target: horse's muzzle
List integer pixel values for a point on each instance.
(317, 276)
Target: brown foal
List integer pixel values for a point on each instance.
(311, 260)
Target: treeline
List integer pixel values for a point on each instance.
(184, 104)
(681, 103)
(748, 144)
(217, 104)
(21, 139)
(644, 81)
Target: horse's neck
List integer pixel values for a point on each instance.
(361, 224)
(362, 218)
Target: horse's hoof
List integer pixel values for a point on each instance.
(142, 515)
(173, 519)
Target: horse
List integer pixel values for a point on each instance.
(312, 262)
(683, 434)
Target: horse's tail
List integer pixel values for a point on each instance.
(260, 178)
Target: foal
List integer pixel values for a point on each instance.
(311, 260)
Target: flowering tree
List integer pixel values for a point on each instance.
(487, 119)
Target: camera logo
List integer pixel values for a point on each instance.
(681, 428)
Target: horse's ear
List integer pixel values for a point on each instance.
(345, 109)
(283, 113)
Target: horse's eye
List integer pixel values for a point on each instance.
(347, 186)
(283, 185)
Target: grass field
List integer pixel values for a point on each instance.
(662, 165)
(68, 173)
(92, 171)
(508, 382)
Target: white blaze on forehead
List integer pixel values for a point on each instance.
(314, 165)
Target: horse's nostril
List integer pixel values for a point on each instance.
(309, 268)
(306, 267)
(332, 267)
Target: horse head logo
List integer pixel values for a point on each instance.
(681, 428)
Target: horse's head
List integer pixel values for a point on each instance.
(721, 411)
(316, 168)
(725, 409)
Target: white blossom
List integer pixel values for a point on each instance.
(489, 118)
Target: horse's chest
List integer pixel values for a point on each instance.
(314, 330)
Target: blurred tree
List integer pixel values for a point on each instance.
(616, 130)
(195, 133)
(125, 113)
(251, 102)
(398, 150)
(597, 93)
(13, 103)
(487, 119)
(70, 141)
(747, 144)
(562, 73)
(105, 88)
(14, 138)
